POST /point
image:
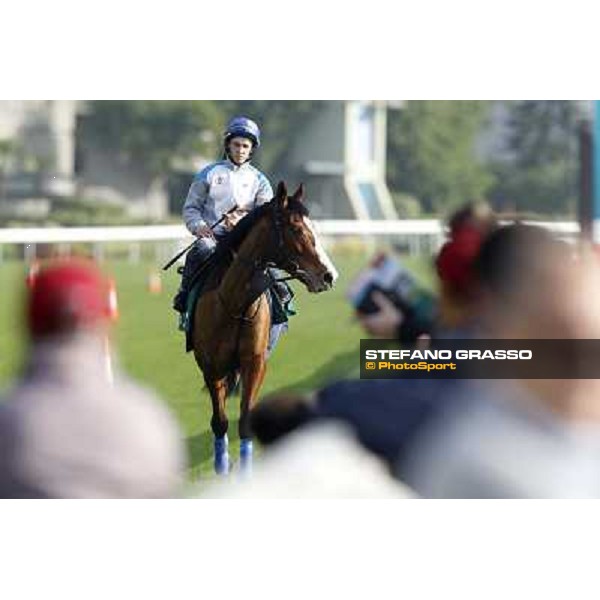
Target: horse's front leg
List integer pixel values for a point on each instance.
(253, 351)
(219, 424)
(253, 374)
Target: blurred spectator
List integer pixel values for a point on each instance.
(68, 431)
(530, 438)
(467, 228)
(455, 266)
(386, 414)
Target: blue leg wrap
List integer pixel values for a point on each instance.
(221, 455)
(246, 451)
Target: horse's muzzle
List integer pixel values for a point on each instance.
(319, 283)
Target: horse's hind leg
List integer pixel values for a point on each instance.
(219, 424)
(253, 373)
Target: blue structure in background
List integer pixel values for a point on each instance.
(595, 179)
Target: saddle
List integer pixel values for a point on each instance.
(262, 282)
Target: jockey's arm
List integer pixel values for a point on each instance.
(264, 192)
(191, 212)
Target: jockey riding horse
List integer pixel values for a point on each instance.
(219, 196)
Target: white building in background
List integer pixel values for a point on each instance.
(50, 159)
(341, 154)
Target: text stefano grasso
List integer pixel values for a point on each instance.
(446, 354)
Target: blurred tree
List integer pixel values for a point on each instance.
(8, 147)
(278, 120)
(431, 152)
(539, 173)
(155, 133)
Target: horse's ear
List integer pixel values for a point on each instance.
(281, 192)
(299, 193)
(281, 195)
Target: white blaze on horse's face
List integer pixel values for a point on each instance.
(323, 257)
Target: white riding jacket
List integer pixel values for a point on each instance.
(218, 188)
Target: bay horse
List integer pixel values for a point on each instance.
(232, 317)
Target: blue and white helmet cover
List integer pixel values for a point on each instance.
(243, 127)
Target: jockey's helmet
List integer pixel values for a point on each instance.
(242, 127)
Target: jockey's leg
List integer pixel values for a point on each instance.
(274, 334)
(195, 257)
(281, 288)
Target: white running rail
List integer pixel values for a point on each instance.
(407, 227)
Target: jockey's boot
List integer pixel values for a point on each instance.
(246, 452)
(284, 297)
(180, 298)
(283, 291)
(221, 455)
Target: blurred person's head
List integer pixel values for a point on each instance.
(533, 287)
(275, 417)
(526, 283)
(473, 215)
(68, 296)
(468, 227)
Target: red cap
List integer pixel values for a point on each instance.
(455, 261)
(66, 295)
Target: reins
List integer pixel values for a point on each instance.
(281, 260)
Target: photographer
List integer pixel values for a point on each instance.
(409, 321)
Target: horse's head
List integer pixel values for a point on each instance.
(297, 247)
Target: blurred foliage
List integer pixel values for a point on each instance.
(432, 155)
(279, 120)
(539, 171)
(6, 149)
(84, 212)
(407, 206)
(432, 163)
(158, 133)
(77, 212)
(155, 133)
(431, 152)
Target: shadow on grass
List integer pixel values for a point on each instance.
(199, 448)
(341, 366)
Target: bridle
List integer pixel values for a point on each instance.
(280, 259)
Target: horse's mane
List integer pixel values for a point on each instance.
(237, 235)
(232, 241)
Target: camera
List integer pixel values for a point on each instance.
(390, 277)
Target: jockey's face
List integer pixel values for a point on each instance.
(239, 149)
